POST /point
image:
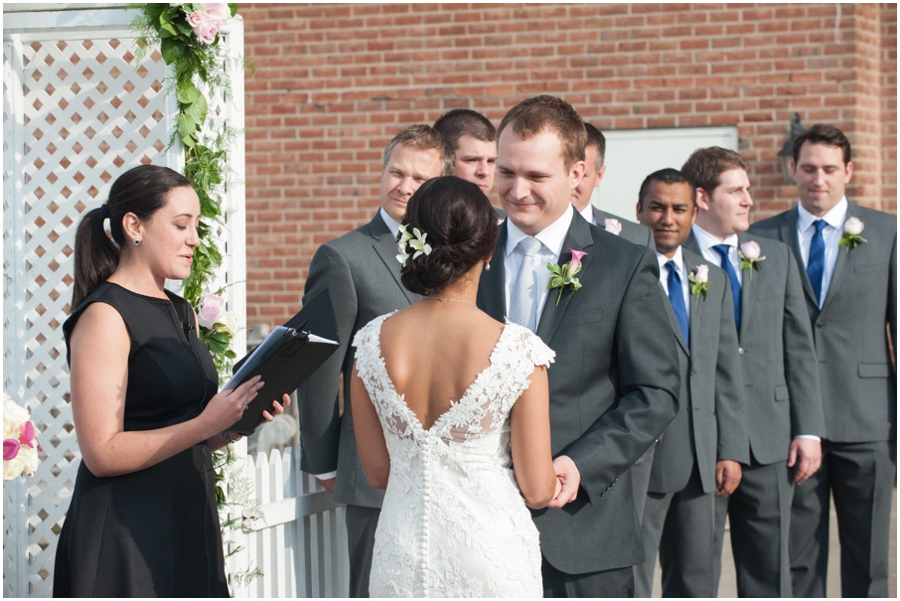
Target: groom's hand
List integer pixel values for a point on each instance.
(569, 479)
(327, 484)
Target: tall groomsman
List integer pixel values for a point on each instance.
(781, 380)
(700, 453)
(614, 383)
(363, 276)
(594, 157)
(848, 259)
(473, 139)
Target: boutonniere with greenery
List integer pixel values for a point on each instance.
(851, 238)
(699, 280)
(750, 258)
(564, 275)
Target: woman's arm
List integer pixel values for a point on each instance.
(530, 442)
(99, 376)
(369, 435)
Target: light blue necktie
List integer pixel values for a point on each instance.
(524, 293)
(815, 266)
(723, 249)
(676, 297)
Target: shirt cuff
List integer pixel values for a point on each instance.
(809, 436)
(326, 475)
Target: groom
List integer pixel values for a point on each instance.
(614, 383)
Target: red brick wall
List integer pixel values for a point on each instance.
(334, 83)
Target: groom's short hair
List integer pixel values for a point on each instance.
(548, 114)
(423, 137)
(705, 165)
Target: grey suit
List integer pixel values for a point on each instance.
(783, 400)
(710, 426)
(859, 393)
(633, 232)
(363, 276)
(613, 390)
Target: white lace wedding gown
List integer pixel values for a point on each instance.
(453, 522)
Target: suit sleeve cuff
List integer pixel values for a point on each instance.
(809, 436)
(326, 475)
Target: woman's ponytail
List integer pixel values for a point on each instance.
(96, 256)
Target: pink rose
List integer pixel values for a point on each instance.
(211, 310)
(612, 226)
(701, 274)
(750, 250)
(854, 226)
(207, 26)
(216, 9)
(10, 449)
(194, 19)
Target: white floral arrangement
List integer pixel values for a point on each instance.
(20, 445)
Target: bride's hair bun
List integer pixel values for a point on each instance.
(460, 226)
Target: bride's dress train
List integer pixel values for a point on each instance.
(453, 522)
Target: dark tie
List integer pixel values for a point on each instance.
(815, 266)
(723, 249)
(676, 297)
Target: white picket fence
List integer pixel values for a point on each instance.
(296, 536)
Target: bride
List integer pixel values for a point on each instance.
(446, 401)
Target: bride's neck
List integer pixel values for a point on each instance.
(465, 288)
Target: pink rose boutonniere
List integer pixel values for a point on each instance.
(699, 280)
(613, 226)
(750, 258)
(564, 276)
(851, 238)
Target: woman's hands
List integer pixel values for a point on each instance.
(277, 408)
(227, 407)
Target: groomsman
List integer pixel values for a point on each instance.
(781, 380)
(594, 156)
(700, 453)
(473, 139)
(363, 276)
(847, 256)
(614, 383)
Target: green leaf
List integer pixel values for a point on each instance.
(187, 92)
(198, 109)
(183, 28)
(186, 125)
(171, 49)
(233, 7)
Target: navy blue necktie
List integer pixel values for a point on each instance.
(815, 266)
(676, 297)
(723, 249)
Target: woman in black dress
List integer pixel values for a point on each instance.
(143, 519)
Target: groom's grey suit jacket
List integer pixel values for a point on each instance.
(711, 424)
(781, 379)
(613, 390)
(363, 276)
(859, 385)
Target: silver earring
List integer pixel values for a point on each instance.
(487, 266)
(137, 241)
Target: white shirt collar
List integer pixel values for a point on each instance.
(389, 221)
(834, 217)
(706, 240)
(552, 237)
(588, 214)
(663, 259)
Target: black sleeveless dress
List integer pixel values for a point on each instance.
(155, 532)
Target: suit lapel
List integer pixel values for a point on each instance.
(579, 238)
(790, 236)
(747, 288)
(492, 287)
(386, 247)
(843, 259)
(692, 245)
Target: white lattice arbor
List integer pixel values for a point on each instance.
(77, 112)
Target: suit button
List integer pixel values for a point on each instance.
(819, 324)
(741, 350)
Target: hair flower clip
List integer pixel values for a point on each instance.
(415, 242)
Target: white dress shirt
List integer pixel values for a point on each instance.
(707, 241)
(588, 214)
(831, 235)
(389, 221)
(678, 258)
(551, 238)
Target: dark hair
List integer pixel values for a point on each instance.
(596, 139)
(460, 226)
(823, 134)
(465, 122)
(423, 137)
(666, 176)
(549, 113)
(705, 165)
(142, 191)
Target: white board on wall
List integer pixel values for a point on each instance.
(633, 154)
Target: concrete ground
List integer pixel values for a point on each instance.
(728, 585)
